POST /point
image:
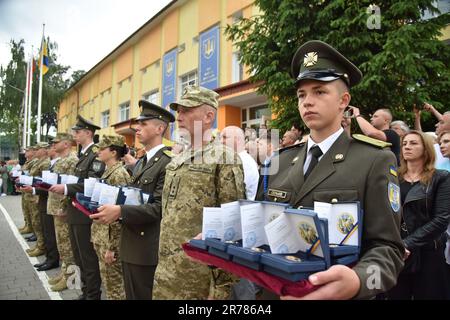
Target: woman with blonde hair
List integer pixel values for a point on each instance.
(425, 198)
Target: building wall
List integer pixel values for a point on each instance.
(135, 68)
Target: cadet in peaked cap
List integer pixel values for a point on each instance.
(82, 123)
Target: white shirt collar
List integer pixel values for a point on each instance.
(83, 151)
(53, 161)
(153, 151)
(326, 144)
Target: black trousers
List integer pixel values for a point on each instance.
(138, 281)
(48, 228)
(431, 282)
(86, 259)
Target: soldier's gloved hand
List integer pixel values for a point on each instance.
(109, 257)
(107, 214)
(26, 189)
(337, 283)
(57, 188)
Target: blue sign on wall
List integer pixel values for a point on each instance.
(209, 58)
(169, 77)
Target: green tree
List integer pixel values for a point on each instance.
(403, 61)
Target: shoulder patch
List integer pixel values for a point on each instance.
(371, 141)
(95, 148)
(168, 153)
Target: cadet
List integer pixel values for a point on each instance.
(57, 208)
(26, 197)
(43, 163)
(205, 175)
(140, 224)
(106, 238)
(80, 224)
(332, 167)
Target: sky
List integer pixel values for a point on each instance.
(85, 30)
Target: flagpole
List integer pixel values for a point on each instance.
(40, 86)
(30, 98)
(25, 106)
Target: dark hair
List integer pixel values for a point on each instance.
(95, 137)
(120, 151)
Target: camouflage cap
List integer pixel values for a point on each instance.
(41, 145)
(317, 60)
(195, 96)
(111, 140)
(82, 123)
(61, 136)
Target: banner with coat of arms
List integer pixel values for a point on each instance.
(169, 77)
(209, 58)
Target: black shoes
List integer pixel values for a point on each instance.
(31, 238)
(48, 266)
(38, 265)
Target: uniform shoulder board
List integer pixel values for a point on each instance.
(374, 142)
(168, 153)
(95, 148)
(294, 146)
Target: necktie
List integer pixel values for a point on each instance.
(316, 153)
(144, 161)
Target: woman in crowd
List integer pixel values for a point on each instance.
(425, 198)
(444, 144)
(106, 238)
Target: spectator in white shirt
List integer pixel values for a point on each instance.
(234, 138)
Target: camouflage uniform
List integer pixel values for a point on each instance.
(36, 171)
(27, 197)
(194, 179)
(107, 237)
(56, 206)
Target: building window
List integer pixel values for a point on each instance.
(237, 72)
(254, 117)
(237, 17)
(124, 111)
(152, 97)
(189, 79)
(105, 119)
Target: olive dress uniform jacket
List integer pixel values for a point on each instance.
(351, 170)
(87, 166)
(141, 224)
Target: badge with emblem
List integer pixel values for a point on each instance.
(310, 59)
(96, 166)
(394, 196)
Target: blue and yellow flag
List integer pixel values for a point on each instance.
(44, 57)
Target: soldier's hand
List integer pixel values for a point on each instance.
(337, 283)
(407, 254)
(26, 189)
(107, 214)
(355, 111)
(57, 188)
(109, 257)
(428, 107)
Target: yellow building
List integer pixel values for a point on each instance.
(181, 45)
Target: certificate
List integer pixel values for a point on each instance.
(343, 224)
(52, 178)
(45, 174)
(72, 179)
(253, 221)
(96, 192)
(231, 220)
(281, 236)
(26, 180)
(212, 223)
(63, 178)
(132, 196)
(108, 194)
(89, 186)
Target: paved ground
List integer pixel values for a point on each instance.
(18, 278)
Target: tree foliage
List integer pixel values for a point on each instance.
(403, 62)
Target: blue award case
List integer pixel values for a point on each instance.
(315, 257)
(198, 243)
(250, 257)
(342, 250)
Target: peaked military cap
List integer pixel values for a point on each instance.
(317, 60)
(111, 140)
(195, 96)
(60, 136)
(82, 123)
(152, 111)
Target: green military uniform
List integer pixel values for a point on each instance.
(36, 206)
(80, 224)
(107, 237)
(57, 207)
(355, 169)
(194, 179)
(141, 224)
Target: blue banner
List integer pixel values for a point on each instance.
(169, 77)
(209, 58)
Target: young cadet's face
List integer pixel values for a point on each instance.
(320, 104)
(147, 130)
(412, 147)
(445, 145)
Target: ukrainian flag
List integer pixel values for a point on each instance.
(44, 57)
